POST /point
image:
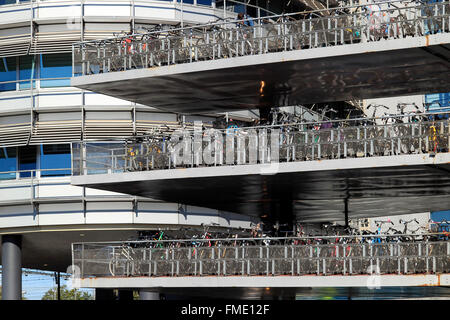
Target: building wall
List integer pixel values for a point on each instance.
(421, 226)
(39, 108)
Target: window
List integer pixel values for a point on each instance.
(55, 66)
(204, 2)
(56, 156)
(7, 73)
(27, 161)
(47, 66)
(27, 71)
(8, 162)
(2, 2)
(239, 8)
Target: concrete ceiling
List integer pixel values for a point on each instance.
(317, 190)
(51, 250)
(358, 71)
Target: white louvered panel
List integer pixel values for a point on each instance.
(104, 129)
(147, 126)
(54, 42)
(16, 134)
(97, 35)
(14, 46)
(56, 131)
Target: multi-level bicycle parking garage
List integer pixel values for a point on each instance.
(135, 166)
(327, 55)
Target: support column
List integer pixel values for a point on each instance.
(148, 295)
(11, 267)
(265, 115)
(105, 294)
(346, 212)
(125, 295)
(282, 215)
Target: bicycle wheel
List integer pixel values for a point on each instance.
(201, 50)
(275, 41)
(113, 266)
(130, 268)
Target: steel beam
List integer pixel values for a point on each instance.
(269, 281)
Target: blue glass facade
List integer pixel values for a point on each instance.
(8, 162)
(2, 2)
(27, 72)
(444, 218)
(55, 157)
(28, 159)
(50, 70)
(437, 101)
(8, 72)
(55, 66)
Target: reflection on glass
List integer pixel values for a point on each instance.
(27, 71)
(2, 2)
(8, 162)
(56, 156)
(27, 161)
(204, 2)
(55, 66)
(7, 73)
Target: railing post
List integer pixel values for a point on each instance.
(420, 137)
(344, 257)
(378, 265)
(448, 127)
(350, 266)
(150, 262)
(196, 261)
(434, 264)
(82, 260)
(318, 260)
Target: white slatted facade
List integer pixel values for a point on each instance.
(100, 125)
(65, 126)
(49, 27)
(15, 130)
(56, 127)
(15, 41)
(147, 122)
(53, 42)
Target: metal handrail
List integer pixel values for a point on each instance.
(181, 48)
(209, 24)
(18, 172)
(338, 122)
(259, 259)
(34, 80)
(298, 142)
(337, 238)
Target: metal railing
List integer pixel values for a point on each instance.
(250, 257)
(295, 31)
(267, 144)
(34, 173)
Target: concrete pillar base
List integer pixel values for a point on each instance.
(12, 267)
(125, 295)
(148, 295)
(105, 294)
